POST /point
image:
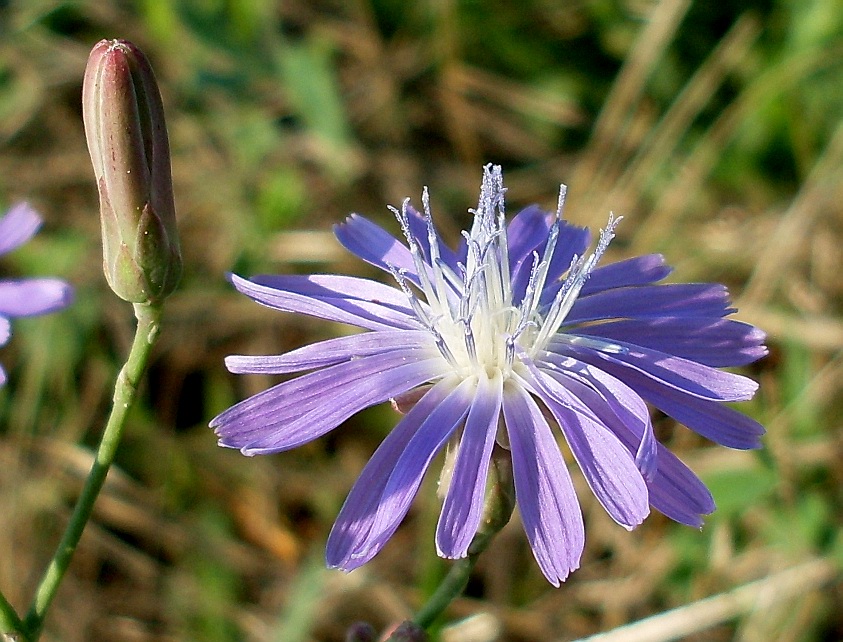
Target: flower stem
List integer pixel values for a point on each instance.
(496, 513)
(452, 586)
(125, 390)
(9, 620)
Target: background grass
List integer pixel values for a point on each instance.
(714, 128)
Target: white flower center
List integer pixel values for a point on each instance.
(471, 314)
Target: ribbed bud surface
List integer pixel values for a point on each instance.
(127, 139)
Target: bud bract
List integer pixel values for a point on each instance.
(127, 139)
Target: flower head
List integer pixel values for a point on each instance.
(25, 297)
(516, 335)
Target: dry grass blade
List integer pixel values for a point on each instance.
(451, 94)
(816, 194)
(627, 89)
(692, 173)
(517, 97)
(755, 596)
(657, 149)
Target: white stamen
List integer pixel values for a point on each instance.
(560, 202)
(470, 310)
(577, 276)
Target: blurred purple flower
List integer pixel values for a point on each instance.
(514, 332)
(25, 297)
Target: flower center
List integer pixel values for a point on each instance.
(477, 325)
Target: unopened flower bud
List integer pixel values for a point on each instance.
(408, 632)
(127, 140)
(361, 632)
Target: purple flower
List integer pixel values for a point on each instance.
(25, 297)
(512, 337)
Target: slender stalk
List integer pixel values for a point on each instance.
(452, 586)
(9, 620)
(125, 390)
(496, 513)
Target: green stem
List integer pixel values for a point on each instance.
(452, 586)
(496, 513)
(125, 390)
(9, 620)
